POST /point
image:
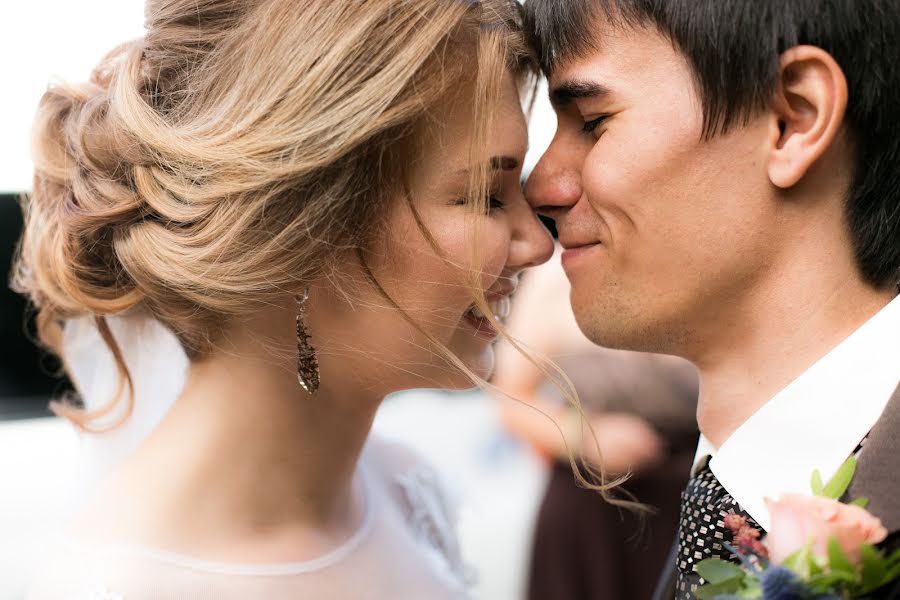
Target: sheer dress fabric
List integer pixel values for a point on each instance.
(405, 548)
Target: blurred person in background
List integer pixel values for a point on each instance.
(642, 409)
(320, 202)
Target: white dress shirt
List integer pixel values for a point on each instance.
(816, 422)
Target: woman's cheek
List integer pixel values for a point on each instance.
(496, 247)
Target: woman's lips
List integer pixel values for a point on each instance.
(499, 304)
(481, 325)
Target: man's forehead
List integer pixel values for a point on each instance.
(591, 73)
(577, 68)
(602, 33)
(617, 54)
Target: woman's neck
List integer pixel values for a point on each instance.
(246, 455)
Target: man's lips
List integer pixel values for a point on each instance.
(574, 251)
(572, 243)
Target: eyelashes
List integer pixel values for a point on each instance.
(494, 203)
(593, 124)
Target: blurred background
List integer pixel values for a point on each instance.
(524, 525)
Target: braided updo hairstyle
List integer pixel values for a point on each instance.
(238, 150)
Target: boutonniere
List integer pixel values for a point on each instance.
(817, 547)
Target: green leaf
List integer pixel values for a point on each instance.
(835, 584)
(839, 483)
(711, 590)
(828, 581)
(892, 574)
(860, 502)
(874, 567)
(750, 588)
(812, 566)
(717, 571)
(818, 488)
(837, 560)
(803, 562)
(798, 562)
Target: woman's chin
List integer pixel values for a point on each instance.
(451, 376)
(456, 379)
(481, 365)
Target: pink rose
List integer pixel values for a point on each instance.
(797, 520)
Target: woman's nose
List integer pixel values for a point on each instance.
(531, 244)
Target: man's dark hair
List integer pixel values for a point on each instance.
(733, 47)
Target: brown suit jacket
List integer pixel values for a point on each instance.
(877, 478)
(878, 471)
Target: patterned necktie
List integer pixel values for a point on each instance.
(702, 532)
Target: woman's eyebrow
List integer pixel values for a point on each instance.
(498, 163)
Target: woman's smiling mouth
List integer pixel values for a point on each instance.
(500, 306)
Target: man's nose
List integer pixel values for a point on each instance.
(554, 185)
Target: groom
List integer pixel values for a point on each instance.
(725, 177)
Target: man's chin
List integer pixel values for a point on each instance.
(610, 328)
(592, 319)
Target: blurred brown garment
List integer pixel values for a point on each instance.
(585, 548)
(660, 389)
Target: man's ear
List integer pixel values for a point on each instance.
(808, 111)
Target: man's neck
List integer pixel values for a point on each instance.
(775, 335)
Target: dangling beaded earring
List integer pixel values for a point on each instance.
(307, 361)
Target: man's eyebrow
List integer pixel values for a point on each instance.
(563, 94)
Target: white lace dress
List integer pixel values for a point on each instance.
(405, 548)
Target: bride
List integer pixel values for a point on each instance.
(320, 200)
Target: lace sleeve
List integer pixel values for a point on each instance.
(432, 517)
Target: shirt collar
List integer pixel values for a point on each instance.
(815, 422)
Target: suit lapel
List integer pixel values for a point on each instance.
(875, 479)
(665, 586)
(876, 473)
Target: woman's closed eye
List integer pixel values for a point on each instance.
(494, 203)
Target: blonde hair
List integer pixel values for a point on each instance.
(238, 150)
